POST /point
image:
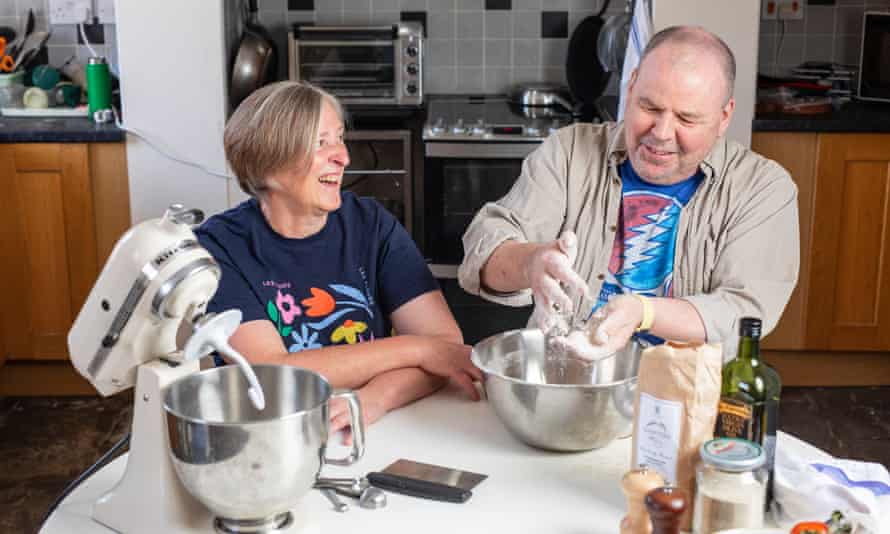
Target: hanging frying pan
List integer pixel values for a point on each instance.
(586, 77)
(255, 61)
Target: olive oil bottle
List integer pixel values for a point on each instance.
(749, 394)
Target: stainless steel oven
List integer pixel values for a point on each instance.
(373, 65)
(473, 153)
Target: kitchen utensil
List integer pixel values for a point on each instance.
(582, 405)
(427, 481)
(357, 488)
(540, 95)
(45, 77)
(339, 505)
(7, 63)
(30, 47)
(611, 43)
(255, 61)
(665, 506)
(35, 97)
(8, 33)
(585, 76)
(243, 463)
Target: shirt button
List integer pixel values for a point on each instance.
(616, 181)
(601, 276)
(613, 228)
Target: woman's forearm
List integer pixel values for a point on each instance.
(397, 388)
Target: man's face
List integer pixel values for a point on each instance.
(676, 109)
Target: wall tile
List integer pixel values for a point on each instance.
(819, 48)
(40, 7)
(272, 5)
(470, 52)
(526, 24)
(300, 5)
(557, 5)
(440, 80)
(442, 25)
(820, 19)
(791, 51)
(385, 5)
(553, 75)
(498, 53)
(849, 20)
(498, 5)
(470, 5)
(497, 80)
(357, 5)
(585, 5)
(7, 9)
(58, 55)
(526, 52)
(358, 18)
(498, 25)
(441, 5)
(526, 74)
(470, 80)
(63, 34)
(412, 5)
(470, 25)
(769, 26)
(440, 53)
(299, 17)
(794, 27)
(766, 51)
(554, 24)
(323, 18)
(554, 51)
(847, 49)
(384, 17)
(329, 6)
(526, 4)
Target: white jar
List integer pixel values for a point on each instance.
(730, 486)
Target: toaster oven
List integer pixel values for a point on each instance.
(360, 64)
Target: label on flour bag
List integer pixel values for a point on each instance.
(658, 435)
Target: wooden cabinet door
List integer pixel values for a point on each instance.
(48, 238)
(849, 286)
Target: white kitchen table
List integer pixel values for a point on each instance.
(527, 490)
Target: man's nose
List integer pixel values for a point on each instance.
(664, 127)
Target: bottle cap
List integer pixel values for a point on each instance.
(96, 59)
(749, 327)
(732, 454)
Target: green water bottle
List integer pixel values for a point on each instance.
(98, 85)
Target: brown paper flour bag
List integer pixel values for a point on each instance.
(675, 409)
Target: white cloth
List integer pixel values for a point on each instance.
(809, 484)
(638, 37)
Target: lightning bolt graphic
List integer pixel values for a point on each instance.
(647, 238)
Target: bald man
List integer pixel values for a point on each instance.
(659, 223)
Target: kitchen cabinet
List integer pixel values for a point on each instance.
(840, 310)
(65, 206)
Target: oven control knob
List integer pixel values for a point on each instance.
(412, 51)
(459, 127)
(411, 88)
(532, 131)
(554, 126)
(438, 126)
(479, 128)
(412, 69)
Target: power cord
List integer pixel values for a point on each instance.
(100, 463)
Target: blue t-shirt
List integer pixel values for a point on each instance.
(642, 259)
(337, 286)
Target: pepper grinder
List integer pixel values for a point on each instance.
(666, 506)
(635, 484)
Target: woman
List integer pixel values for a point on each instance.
(323, 277)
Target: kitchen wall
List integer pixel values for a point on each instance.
(474, 46)
(827, 33)
(65, 40)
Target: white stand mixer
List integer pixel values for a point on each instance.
(144, 324)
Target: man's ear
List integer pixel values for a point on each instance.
(630, 83)
(726, 117)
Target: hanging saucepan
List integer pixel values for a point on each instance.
(586, 77)
(255, 61)
(538, 100)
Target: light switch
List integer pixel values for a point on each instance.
(790, 9)
(769, 9)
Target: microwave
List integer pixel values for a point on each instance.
(373, 65)
(874, 63)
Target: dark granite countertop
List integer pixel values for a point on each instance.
(857, 116)
(57, 130)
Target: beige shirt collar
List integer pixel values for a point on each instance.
(714, 160)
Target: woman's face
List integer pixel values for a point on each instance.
(317, 189)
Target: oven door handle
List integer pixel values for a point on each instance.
(479, 150)
(376, 171)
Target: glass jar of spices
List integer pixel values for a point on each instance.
(730, 486)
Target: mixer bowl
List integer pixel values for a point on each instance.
(558, 403)
(246, 464)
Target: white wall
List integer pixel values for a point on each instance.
(174, 86)
(738, 23)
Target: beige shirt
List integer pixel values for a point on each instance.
(737, 251)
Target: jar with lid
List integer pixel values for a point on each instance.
(730, 486)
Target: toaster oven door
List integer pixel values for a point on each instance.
(347, 69)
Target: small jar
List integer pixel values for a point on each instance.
(730, 486)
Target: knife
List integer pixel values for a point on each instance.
(426, 481)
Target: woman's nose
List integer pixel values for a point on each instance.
(340, 156)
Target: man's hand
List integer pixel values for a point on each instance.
(608, 330)
(550, 270)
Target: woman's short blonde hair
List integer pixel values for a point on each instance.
(276, 126)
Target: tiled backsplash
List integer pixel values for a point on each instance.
(473, 46)
(64, 40)
(827, 33)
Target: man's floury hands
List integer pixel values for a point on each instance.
(608, 330)
(550, 276)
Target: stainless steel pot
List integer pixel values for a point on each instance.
(540, 95)
(251, 466)
(558, 403)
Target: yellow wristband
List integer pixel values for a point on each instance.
(648, 313)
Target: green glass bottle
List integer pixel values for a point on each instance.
(749, 394)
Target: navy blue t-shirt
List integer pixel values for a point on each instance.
(337, 286)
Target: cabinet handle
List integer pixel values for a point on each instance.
(382, 171)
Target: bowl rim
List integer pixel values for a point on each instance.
(474, 357)
(191, 419)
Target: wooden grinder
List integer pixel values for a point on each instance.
(635, 484)
(666, 506)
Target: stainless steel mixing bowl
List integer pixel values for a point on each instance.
(558, 403)
(249, 466)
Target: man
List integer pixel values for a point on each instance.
(680, 232)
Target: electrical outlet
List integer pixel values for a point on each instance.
(70, 11)
(105, 11)
(769, 9)
(790, 9)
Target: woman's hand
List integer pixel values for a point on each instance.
(374, 407)
(452, 361)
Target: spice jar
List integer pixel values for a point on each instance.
(635, 484)
(731, 486)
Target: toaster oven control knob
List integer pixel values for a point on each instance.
(411, 88)
(459, 127)
(412, 51)
(479, 128)
(438, 126)
(412, 69)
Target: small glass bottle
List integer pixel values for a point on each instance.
(730, 486)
